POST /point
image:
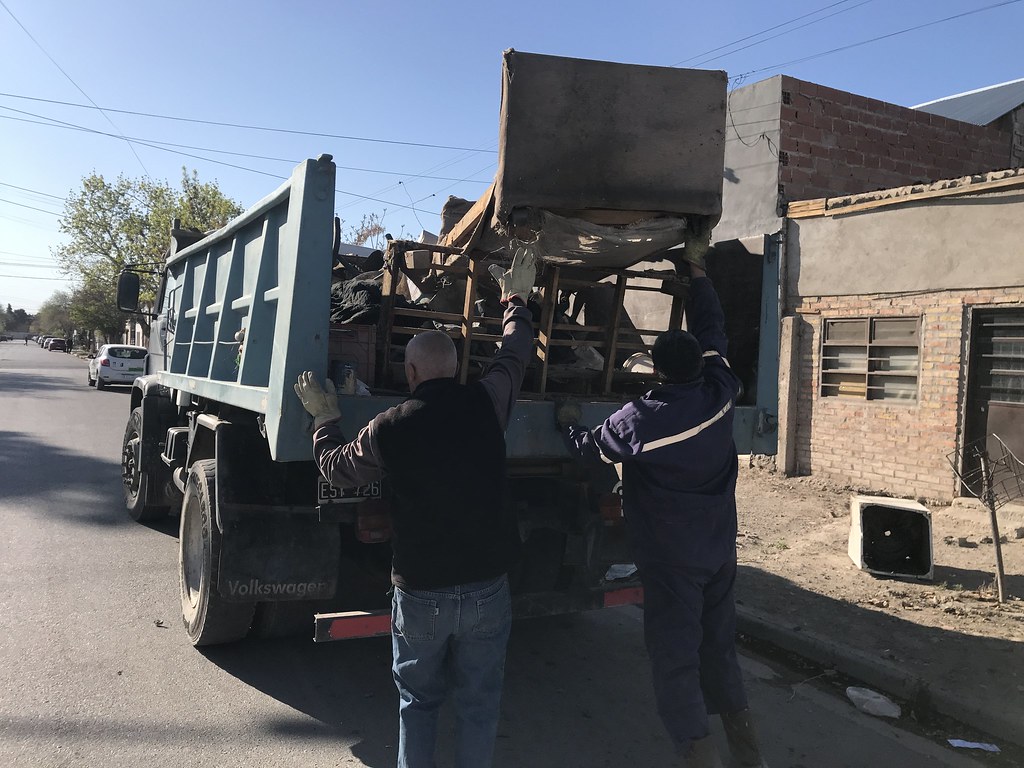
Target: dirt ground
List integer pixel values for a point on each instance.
(798, 529)
(949, 633)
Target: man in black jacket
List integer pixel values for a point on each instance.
(443, 452)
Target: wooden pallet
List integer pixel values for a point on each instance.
(468, 327)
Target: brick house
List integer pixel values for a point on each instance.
(903, 334)
(790, 140)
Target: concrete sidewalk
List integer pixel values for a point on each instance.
(973, 680)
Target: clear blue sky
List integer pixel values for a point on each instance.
(402, 71)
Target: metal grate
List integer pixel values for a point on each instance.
(989, 470)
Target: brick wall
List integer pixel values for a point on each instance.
(886, 446)
(1017, 129)
(837, 143)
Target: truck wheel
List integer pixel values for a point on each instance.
(135, 479)
(208, 618)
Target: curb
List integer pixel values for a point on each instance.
(879, 673)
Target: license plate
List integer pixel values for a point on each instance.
(328, 494)
(134, 370)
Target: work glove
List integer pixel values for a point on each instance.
(698, 239)
(518, 280)
(567, 414)
(321, 404)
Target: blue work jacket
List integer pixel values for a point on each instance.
(677, 455)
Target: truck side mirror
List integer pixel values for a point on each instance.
(128, 292)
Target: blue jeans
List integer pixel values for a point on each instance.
(455, 634)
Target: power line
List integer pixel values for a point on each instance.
(55, 123)
(437, 167)
(757, 34)
(30, 207)
(875, 39)
(29, 277)
(248, 155)
(70, 80)
(28, 223)
(23, 264)
(33, 191)
(780, 34)
(244, 126)
(23, 255)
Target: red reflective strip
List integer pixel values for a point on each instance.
(628, 596)
(359, 624)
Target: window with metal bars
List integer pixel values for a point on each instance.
(871, 358)
(1000, 356)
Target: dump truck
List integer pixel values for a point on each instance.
(600, 168)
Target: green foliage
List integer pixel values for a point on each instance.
(128, 221)
(15, 320)
(93, 307)
(55, 315)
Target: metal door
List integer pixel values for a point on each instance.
(995, 384)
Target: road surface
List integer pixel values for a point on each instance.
(95, 669)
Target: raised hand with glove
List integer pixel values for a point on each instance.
(518, 280)
(698, 241)
(321, 404)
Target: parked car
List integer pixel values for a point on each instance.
(116, 364)
(42, 340)
(57, 345)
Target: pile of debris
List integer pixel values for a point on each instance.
(359, 283)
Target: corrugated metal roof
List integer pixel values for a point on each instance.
(980, 106)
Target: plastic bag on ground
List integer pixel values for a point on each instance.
(873, 703)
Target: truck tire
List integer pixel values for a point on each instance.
(208, 618)
(135, 482)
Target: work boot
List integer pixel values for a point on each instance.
(701, 753)
(742, 738)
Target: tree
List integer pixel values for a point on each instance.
(15, 319)
(55, 315)
(369, 232)
(93, 307)
(128, 221)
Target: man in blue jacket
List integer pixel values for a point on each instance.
(679, 468)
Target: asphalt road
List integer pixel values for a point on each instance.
(95, 669)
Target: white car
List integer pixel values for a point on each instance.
(117, 364)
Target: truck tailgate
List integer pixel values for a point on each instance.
(267, 273)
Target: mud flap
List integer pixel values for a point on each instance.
(284, 557)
